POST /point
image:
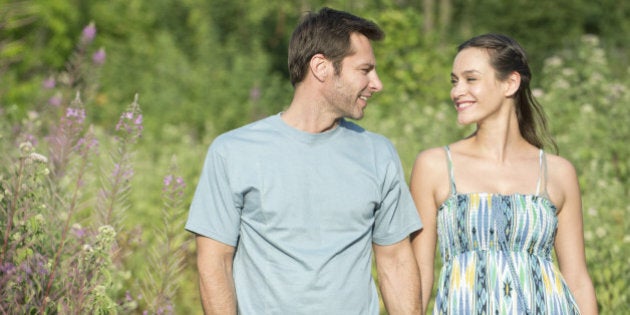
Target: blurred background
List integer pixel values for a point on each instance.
(201, 67)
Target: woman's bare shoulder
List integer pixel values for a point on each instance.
(428, 159)
(562, 180)
(431, 165)
(559, 166)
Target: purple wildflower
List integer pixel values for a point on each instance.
(49, 83)
(167, 180)
(130, 121)
(99, 56)
(78, 114)
(138, 120)
(180, 182)
(254, 94)
(30, 138)
(55, 100)
(174, 186)
(78, 230)
(89, 32)
(7, 268)
(88, 144)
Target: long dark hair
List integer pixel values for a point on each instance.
(506, 57)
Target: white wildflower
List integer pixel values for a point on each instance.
(36, 157)
(600, 232)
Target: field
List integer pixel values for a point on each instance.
(92, 209)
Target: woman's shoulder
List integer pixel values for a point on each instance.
(559, 166)
(562, 180)
(431, 156)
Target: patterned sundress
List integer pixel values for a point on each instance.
(496, 254)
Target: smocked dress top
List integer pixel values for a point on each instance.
(496, 252)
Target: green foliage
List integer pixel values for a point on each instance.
(588, 117)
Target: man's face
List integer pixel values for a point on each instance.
(357, 81)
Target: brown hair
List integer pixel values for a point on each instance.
(327, 32)
(506, 57)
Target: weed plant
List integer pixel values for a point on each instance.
(64, 193)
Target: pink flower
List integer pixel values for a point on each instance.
(55, 100)
(89, 32)
(49, 83)
(99, 56)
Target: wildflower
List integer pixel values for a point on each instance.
(77, 113)
(88, 34)
(554, 61)
(106, 233)
(174, 185)
(167, 180)
(254, 94)
(7, 268)
(99, 56)
(131, 121)
(55, 100)
(26, 147)
(88, 248)
(36, 157)
(180, 182)
(600, 232)
(87, 143)
(49, 83)
(78, 230)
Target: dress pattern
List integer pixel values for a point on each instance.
(496, 254)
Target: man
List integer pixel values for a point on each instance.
(289, 209)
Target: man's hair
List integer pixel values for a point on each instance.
(326, 32)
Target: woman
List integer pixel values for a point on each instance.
(497, 203)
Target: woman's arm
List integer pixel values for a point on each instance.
(429, 171)
(569, 244)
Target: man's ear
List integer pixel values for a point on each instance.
(512, 84)
(320, 67)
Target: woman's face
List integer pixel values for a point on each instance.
(476, 92)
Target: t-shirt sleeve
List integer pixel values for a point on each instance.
(396, 216)
(215, 209)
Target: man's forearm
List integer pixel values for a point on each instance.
(217, 293)
(399, 280)
(216, 284)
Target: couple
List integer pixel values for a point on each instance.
(290, 209)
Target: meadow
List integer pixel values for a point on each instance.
(92, 210)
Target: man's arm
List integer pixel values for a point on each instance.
(214, 262)
(399, 278)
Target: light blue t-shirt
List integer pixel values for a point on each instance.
(303, 210)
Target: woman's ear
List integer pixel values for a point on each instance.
(319, 67)
(512, 84)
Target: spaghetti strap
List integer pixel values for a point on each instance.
(540, 170)
(542, 177)
(451, 177)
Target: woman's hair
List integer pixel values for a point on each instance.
(326, 32)
(506, 57)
